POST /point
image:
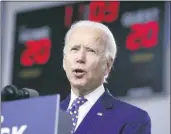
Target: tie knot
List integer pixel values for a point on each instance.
(78, 102)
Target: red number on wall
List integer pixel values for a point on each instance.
(104, 11)
(97, 11)
(36, 52)
(112, 11)
(68, 16)
(150, 35)
(142, 36)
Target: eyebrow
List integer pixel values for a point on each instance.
(75, 45)
(87, 47)
(90, 48)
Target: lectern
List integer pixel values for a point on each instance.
(40, 115)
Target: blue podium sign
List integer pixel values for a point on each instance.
(31, 116)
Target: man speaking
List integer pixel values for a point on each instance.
(89, 54)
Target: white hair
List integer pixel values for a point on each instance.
(110, 41)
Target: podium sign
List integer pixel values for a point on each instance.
(31, 116)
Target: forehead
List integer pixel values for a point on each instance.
(86, 35)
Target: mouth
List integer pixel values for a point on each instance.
(79, 72)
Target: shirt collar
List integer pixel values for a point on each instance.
(91, 97)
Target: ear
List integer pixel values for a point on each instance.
(64, 63)
(108, 66)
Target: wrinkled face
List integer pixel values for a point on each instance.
(85, 63)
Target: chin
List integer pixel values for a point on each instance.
(79, 83)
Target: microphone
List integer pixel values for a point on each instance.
(28, 93)
(11, 92)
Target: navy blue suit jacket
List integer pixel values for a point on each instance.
(117, 117)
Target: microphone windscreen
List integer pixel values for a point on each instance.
(31, 92)
(9, 92)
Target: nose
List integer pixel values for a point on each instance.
(81, 56)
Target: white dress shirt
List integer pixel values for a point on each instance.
(91, 100)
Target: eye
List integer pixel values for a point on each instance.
(74, 49)
(91, 50)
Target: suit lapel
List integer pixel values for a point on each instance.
(96, 114)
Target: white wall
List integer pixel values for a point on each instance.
(157, 107)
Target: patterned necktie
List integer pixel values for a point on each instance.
(74, 111)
